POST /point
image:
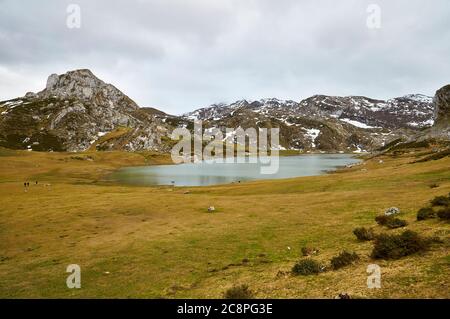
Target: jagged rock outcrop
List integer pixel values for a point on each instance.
(77, 111)
(442, 106)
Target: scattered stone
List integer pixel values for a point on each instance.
(392, 211)
(308, 251)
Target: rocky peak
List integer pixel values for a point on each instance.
(442, 106)
(85, 86)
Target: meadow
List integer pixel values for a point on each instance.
(161, 242)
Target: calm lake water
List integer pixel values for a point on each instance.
(203, 174)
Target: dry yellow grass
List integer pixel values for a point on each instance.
(161, 242)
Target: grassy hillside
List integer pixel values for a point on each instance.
(162, 242)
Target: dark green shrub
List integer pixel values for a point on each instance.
(390, 221)
(444, 213)
(343, 259)
(440, 201)
(238, 292)
(425, 213)
(306, 267)
(382, 219)
(397, 246)
(364, 234)
(396, 223)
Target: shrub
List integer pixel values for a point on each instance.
(396, 223)
(363, 234)
(382, 219)
(343, 259)
(390, 221)
(444, 213)
(238, 292)
(425, 213)
(397, 246)
(306, 267)
(440, 201)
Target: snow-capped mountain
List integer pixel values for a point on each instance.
(326, 123)
(410, 111)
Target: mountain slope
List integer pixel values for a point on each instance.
(326, 123)
(72, 112)
(77, 111)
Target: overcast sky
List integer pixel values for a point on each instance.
(178, 55)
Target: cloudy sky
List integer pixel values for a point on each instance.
(178, 55)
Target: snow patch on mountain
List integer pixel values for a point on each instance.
(358, 124)
(312, 134)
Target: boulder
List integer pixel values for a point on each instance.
(392, 211)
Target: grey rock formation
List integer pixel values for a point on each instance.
(77, 111)
(442, 105)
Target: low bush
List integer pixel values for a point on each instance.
(343, 259)
(306, 267)
(390, 221)
(444, 213)
(425, 213)
(238, 292)
(397, 246)
(440, 201)
(364, 234)
(382, 219)
(396, 223)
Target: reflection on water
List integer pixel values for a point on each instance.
(202, 174)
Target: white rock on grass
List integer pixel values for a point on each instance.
(392, 211)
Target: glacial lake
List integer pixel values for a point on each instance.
(204, 174)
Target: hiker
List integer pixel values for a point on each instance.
(36, 182)
(28, 184)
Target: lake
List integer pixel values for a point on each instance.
(204, 174)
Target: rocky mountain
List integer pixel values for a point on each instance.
(442, 104)
(327, 123)
(441, 127)
(410, 111)
(77, 111)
